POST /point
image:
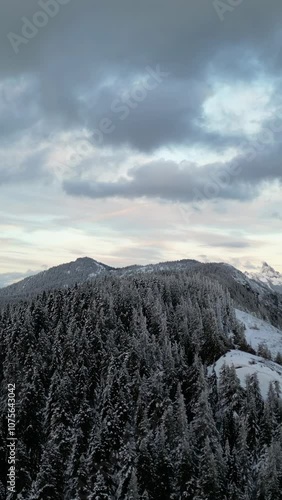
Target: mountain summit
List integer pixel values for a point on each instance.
(61, 276)
(268, 276)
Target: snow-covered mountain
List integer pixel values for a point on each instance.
(61, 276)
(267, 276)
(80, 271)
(124, 357)
(251, 295)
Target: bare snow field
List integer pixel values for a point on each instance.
(259, 331)
(248, 364)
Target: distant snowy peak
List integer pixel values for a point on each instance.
(267, 272)
(268, 276)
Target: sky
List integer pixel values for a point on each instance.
(140, 132)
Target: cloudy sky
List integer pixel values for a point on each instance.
(136, 132)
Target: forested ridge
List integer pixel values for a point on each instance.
(114, 399)
(246, 293)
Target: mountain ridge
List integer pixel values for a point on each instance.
(82, 265)
(248, 294)
(61, 276)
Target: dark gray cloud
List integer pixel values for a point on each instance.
(19, 106)
(239, 179)
(25, 171)
(230, 244)
(131, 35)
(91, 50)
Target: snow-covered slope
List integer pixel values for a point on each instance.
(267, 276)
(248, 364)
(259, 331)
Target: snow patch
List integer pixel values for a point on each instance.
(259, 331)
(248, 364)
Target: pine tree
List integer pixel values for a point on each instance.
(278, 358)
(133, 490)
(101, 490)
(211, 478)
(243, 461)
(270, 477)
(253, 412)
(49, 483)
